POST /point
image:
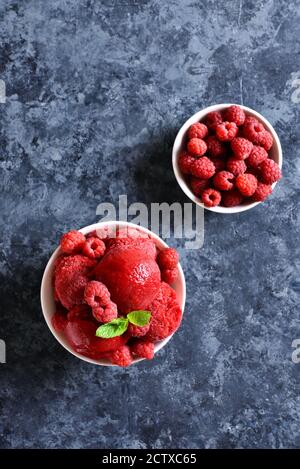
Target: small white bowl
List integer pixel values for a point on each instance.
(47, 294)
(179, 145)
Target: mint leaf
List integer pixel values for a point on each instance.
(139, 318)
(112, 329)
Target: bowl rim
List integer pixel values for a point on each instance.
(178, 141)
(47, 282)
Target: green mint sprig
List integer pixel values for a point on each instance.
(118, 326)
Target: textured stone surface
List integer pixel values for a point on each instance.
(95, 94)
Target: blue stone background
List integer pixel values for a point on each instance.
(96, 92)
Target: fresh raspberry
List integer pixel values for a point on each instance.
(220, 164)
(93, 248)
(262, 192)
(266, 140)
(246, 184)
(72, 242)
(169, 275)
(232, 198)
(257, 156)
(59, 321)
(215, 149)
(185, 163)
(121, 357)
(241, 148)
(165, 314)
(168, 258)
(235, 166)
(223, 180)
(250, 119)
(198, 185)
(235, 114)
(105, 313)
(143, 349)
(198, 130)
(96, 294)
(211, 197)
(196, 147)
(137, 331)
(203, 168)
(213, 119)
(70, 279)
(254, 131)
(79, 311)
(226, 131)
(270, 171)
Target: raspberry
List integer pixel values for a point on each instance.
(72, 242)
(270, 171)
(203, 168)
(250, 119)
(198, 185)
(168, 258)
(262, 192)
(121, 357)
(70, 279)
(196, 147)
(105, 313)
(211, 197)
(165, 314)
(246, 184)
(93, 248)
(96, 294)
(79, 311)
(223, 180)
(169, 275)
(215, 149)
(226, 131)
(143, 349)
(232, 198)
(235, 114)
(241, 148)
(254, 131)
(59, 321)
(185, 163)
(198, 130)
(235, 166)
(213, 119)
(257, 156)
(266, 140)
(219, 164)
(137, 331)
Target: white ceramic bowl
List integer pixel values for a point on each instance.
(179, 144)
(47, 296)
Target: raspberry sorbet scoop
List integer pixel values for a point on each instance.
(131, 275)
